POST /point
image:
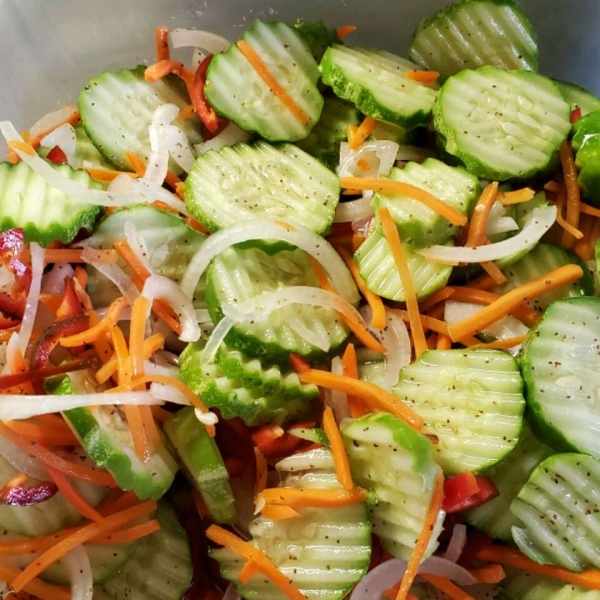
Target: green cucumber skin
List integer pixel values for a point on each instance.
(586, 143)
(317, 35)
(579, 97)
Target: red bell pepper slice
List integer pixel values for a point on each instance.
(467, 491)
(298, 364)
(57, 156)
(576, 115)
(203, 109)
(70, 304)
(25, 495)
(272, 440)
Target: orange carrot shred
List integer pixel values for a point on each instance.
(491, 574)
(344, 30)
(350, 368)
(351, 132)
(445, 585)
(249, 552)
(390, 232)
(137, 332)
(398, 187)
(248, 571)
(279, 513)
(586, 209)
(498, 344)
(161, 40)
(162, 68)
(420, 548)
(481, 213)
(365, 129)
(108, 174)
(261, 471)
(573, 232)
(298, 363)
(47, 435)
(185, 113)
(36, 587)
(73, 497)
(424, 77)
(567, 160)
(516, 197)
(494, 272)
(130, 534)
(338, 450)
(443, 342)
(263, 71)
(311, 497)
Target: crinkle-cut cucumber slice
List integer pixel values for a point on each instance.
(528, 586)
(169, 242)
(560, 367)
(390, 458)
(203, 463)
(579, 97)
(317, 36)
(502, 124)
(371, 366)
(418, 224)
(236, 90)
(509, 475)
(233, 399)
(237, 275)
(473, 33)
(542, 259)
(116, 110)
(471, 400)
(376, 83)
(559, 512)
(44, 213)
(244, 182)
(586, 143)
(324, 552)
(378, 269)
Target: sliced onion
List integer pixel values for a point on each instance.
(139, 192)
(137, 245)
(315, 338)
(178, 146)
(159, 287)
(394, 337)
(354, 210)
(457, 543)
(167, 393)
(206, 418)
(389, 573)
(152, 368)
(498, 222)
(54, 281)
(197, 57)
(114, 273)
(21, 461)
(158, 161)
(196, 38)
(379, 155)
(80, 574)
(33, 297)
(338, 400)
(260, 229)
(538, 223)
(407, 153)
(231, 135)
(65, 138)
(231, 593)
(51, 120)
(11, 348)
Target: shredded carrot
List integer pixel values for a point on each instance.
(443, 584)
(431, 340)
(322, 278)
(311, 497)
(375, 397)
(511, 557)
(274, 86)
(122, 354)
(73, 255)
(420, 548)
(248, 571)
(129, 535)
(108, 174)
(567, 161)
(443, 342)
(586, 209)
(569, 229)
(512, 299)
(552, 186)
(185, 113)
(48, 458)
(351, 132)
(398, 187)
(491, 574)
(116, 501)
(484, 282)
(350, 368)
(390, 232)
(494, 272)
(344, 30)
(362, 164)
(365, 129)
(298, 364)
(160, 414)
(338, 450)
(481, 213)
(161, 40)
(73, 497)
(261, 471)
(357, 240)
(22, 146)
(498, 344)
(373, 300)
(436, 298)
(516, 197)
(279, 513)
(162, 68)
(36, 587)
(82, 535)
(249, 552)
(42, 434)
(137, 332)
(425, 77)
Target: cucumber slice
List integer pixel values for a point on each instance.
(375, 81)
(542, 259)
(160, 568)
(104, 434)
(317, 36)
(117, 107)
(51, 515)
(236, 91)
(324, 552)
(418, 224)
(559, 508)
(502, 124)
(281, 182)
(471, 400)
(203, 463)
(378, 269)
(237, 275)
(86, 153)
(559, 366)
(170, 243)
(395, 133)
(510, 475)
(253, 374)
(233, 399)
(586, 142)
(527, 586)
(473, 33)
(324, 140)
(579, 97)
(389, 457)
(371, 366)
(45, 214)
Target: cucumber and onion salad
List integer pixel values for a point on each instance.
(322, 314)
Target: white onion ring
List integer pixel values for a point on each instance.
(21, 461)
(114, 273)
(167, 393)
(80, 574)
(380, 155)
(231, 135)
(257, 229)
(137, 245)
(51, 120)
(197, 38)
(457, 543)
(338, 400)
(318, 340)
(354, 210)
(158, 161)
(498, 222)
(539, 222)
(33, 297)
(391, 572)
(178, 146)
(159, 287)
(54, 281)
(65, 138)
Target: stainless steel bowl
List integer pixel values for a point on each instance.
(49, 48)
